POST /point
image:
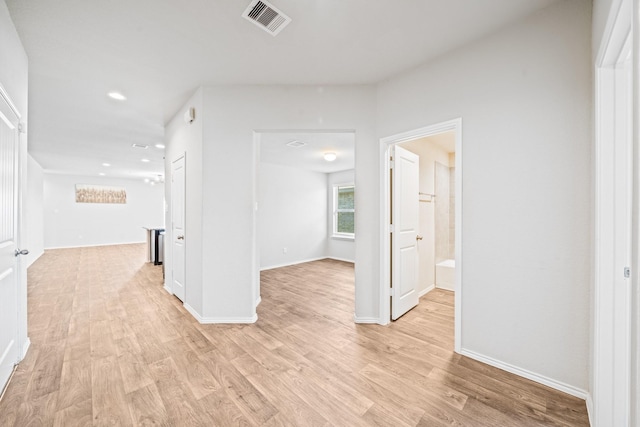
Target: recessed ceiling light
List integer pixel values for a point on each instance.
(330, 157)
(102, 174)
(146, 180)
(152, 183)
(160, 146)
(145, 160)
(117, 95)
(106, 164)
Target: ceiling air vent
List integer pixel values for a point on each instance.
(296, 144)
(266, 16)
(134, 145)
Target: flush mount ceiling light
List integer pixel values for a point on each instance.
(330, 157)
(146, 180)
(145, 160)
(102, 174)
(161, 146)
(117, 95)
(106, 165)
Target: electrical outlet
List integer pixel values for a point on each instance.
(284, 250)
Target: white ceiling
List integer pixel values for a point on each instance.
(274, 149)
(158, 53)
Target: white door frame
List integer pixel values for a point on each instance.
(610, 402)
(385, 205)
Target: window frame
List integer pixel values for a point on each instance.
(335, 233)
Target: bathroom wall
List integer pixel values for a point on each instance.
(429, 153)
(442, 210)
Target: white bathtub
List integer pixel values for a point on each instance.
(446, 274)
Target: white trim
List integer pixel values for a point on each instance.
(350, 237)
(541, 379)
(25, 348)
(91, 246)
(341, 259)
(167, 288)
(589, 402)
(426, 291)
(258, 301)
(385, 277)
(5, 95)
(365, 320)
(219, 320)
(271, 267)
(608, 395)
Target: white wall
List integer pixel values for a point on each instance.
(32, 203)
(339, 248)
(292, 214)
(429, 154)
(524, 94)
(232, 114)
(14, 76)
(71, 224)
(183, 138)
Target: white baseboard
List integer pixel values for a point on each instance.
(168, 289)
(94, 245)
(216, 320)
(271, 267)
(341, 259)
(25, 348)
(549, 382)
(426, 291)
(365, 320)
(590, 409)
(258, 301)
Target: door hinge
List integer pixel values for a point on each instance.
(391, 293)
(21, 127)
(391, 164)
(391, 228)
(627, 272)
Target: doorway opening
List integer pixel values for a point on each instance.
(432, 247)
(305, 201)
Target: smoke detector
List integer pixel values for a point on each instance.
(266, 16)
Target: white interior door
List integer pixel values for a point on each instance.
(404, 217)
(177, 225)
(9, 276)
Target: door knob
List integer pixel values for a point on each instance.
(418, 237)
(21, 252)
(180, 237)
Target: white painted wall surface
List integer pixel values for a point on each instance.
(33, 205)
(524, 94)
(338, 248)
(186, 138)
(70, 224)
(429, 154)
(232, 114)
(292, 214)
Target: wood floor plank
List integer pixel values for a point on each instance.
(146, 407)
(109, 402)
(111, 347)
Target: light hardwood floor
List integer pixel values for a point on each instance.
(111, 347)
